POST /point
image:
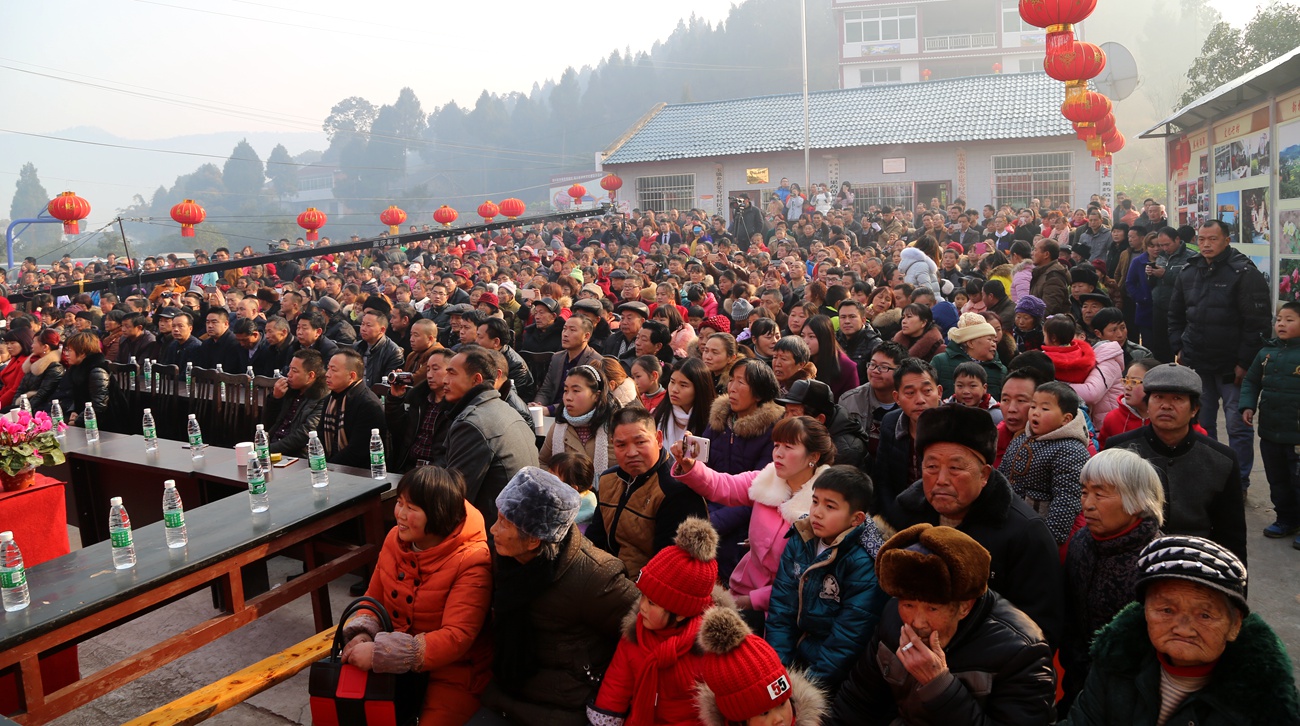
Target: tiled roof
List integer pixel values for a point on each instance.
(1011, 106)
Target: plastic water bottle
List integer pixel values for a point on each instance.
(119, 534)
(91, 423)
(24, 404)
(13, 579)
(258, 499)
(223, 384)
(189, 377)
(131, 374)
(148, 375)
(56, 418)
(262, 448)
(320, 476)
(378, 470)
(174, 516)
(150, 431)
(153, 382)
(250, 374)
(195, 435)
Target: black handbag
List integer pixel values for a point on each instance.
(344, 695)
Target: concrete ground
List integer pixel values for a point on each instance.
(1274, 594)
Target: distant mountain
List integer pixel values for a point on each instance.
(108, 178)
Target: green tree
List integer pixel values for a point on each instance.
(30, 199)
(282, 172)
(243, 174)
(353, 115)
(1229, 52)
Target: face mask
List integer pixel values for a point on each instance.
(698, 230)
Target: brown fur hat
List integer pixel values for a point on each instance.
(933, 564)
(954, 423)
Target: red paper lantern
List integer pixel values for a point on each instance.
(69, 209)
(611, 183)
(513, 208)
(445, 215)
(393, 217)
(487, 210)
(1075, 62)
(1086, 109)
(1115, 144)
(188, 213)
(997, 67)
(577, 191)
(312, 220)
(925, 74)
(1050, 13)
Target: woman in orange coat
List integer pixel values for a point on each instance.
(434, 577)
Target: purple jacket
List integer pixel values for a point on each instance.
(1139, 290)
(745, 445)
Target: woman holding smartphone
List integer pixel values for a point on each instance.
(685, 410)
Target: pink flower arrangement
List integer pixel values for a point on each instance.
(27, 441)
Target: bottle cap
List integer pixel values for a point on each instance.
(311, 434)
(191, 417)
(259, 427)
(148, 410)
(169, 484)
(6, 536)
(374, 432)
(115, 502)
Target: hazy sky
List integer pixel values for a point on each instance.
(197, 66)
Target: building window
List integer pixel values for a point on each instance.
(1011, 20)
(865, 196)
(878, 76)
(313, 183)
(661, 193)
(1030, 65)
(878, 24)
(1018, 178)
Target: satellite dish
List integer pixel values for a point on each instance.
(1120, 77)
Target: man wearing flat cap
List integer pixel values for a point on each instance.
(959, 488)
(1202, 480)
(947, 649)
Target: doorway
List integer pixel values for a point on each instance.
(927, 191)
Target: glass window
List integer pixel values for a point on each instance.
(1030, 65)
(869, 26)
(866, 196)
(878, 76)
(661, 193)
(1011, 20)
(1018, 178)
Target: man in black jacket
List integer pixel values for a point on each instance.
(380, 353)
(221, 347)
(296, 404)
(183, 348)
(310, 333)
(811, 397)
(417, 416)
(856, 336)
(351, 412)
(543, 335)
(495, 334)
(277, 346)
(1219, 315)
(621, 343)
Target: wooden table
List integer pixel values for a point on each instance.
(79, 595)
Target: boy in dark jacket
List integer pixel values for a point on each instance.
(825, 600)
(1272, 387)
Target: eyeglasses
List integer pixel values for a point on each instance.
(880, 368)
(1131, 381)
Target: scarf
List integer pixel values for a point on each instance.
(517, 586)
(336, 437)
(599, 457)
(664, 655)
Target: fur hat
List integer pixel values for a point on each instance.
(378, 304)
(933, 564)
(680, 577)
(741, 671)
(1193, 559)
(268, 295)
(957, 424)
(1086, 274)
(539, 504)
(1031, 305)
(969, 327)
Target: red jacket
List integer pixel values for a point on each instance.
(10, 376)
(1073, 362)
(657, 669)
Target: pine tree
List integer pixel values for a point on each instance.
(30, 199)
(243, 174)
(283, 174)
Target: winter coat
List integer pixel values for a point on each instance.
(1271, 388)
(1096, 373)
(1122, 419)
(570, 441)
(362, 413)
(849, 436)
(1251, 684)
(381, 359)
(542, 340)
(1025, 562)
(224, 351)
(888, 323)
(999, 672)
(91, 382)
(488, 443)
(945, 365)
(519, 374)
(306, 418)
(927, 346)
(743, 445)
(859, 347)
(574, 623)
(842, 380)
(1051, 284)
(775, 507)
(135, 347)
(918, 269)
(894, 466)
(552, 387)
(1044, 471)
(1219, 313)
(1100, 579)
(1202, 482)
(442, 596)
(825, 605)
(1137, 287)
(638, 516)
(1022, 276)
(1162, 288)
(41, 377)
(10, 378)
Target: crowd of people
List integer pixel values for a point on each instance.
(807, 465)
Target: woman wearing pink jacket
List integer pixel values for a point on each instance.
(780, 494)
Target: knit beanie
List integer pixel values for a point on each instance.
(719, 323)
(969, 327)
(1031, 305)
(539, 504)
(680, 578)
(741, 670)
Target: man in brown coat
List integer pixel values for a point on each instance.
(1050, 280)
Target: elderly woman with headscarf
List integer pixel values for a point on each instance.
(557, 607)
(1189, 651)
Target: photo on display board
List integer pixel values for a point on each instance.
(1290, 233)
(1259, 151)
(1228, 205)
(1223, 163)
(1254, 216)
(1288, 283)
(1288, 172)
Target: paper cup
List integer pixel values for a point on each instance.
(243, 451)
(538, 414)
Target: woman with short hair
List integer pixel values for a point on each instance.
(919, 334)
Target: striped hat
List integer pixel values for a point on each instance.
(1194, 559)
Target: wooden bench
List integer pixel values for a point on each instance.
(241, 686)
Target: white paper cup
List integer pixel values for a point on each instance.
(538, 414)
(243, 451)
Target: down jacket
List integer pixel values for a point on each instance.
(90, 383)
(999, 672)
(918, 270)
(1219, 313)
(41, 378)
(1252, 683)
(1272, 389)
(775, 507)
(1044, 471)
(825, 605)
(1096, 373)
(945, 366)
(1051, 284)
(743, 445)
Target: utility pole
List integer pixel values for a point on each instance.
(803, 36)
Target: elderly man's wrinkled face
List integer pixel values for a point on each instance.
(926, 618)
(953, 477)
(1189, 624)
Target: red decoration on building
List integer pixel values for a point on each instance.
(393, 217)
(513, 208)
(69, 209)
(577, 191)
(445, 215)
(487, 210)
(1049, 13)
(312, 220)
(188, 213)
(925, 74)
(997, 67)
(1075, 62)
(611, 183)
(1086, 110)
